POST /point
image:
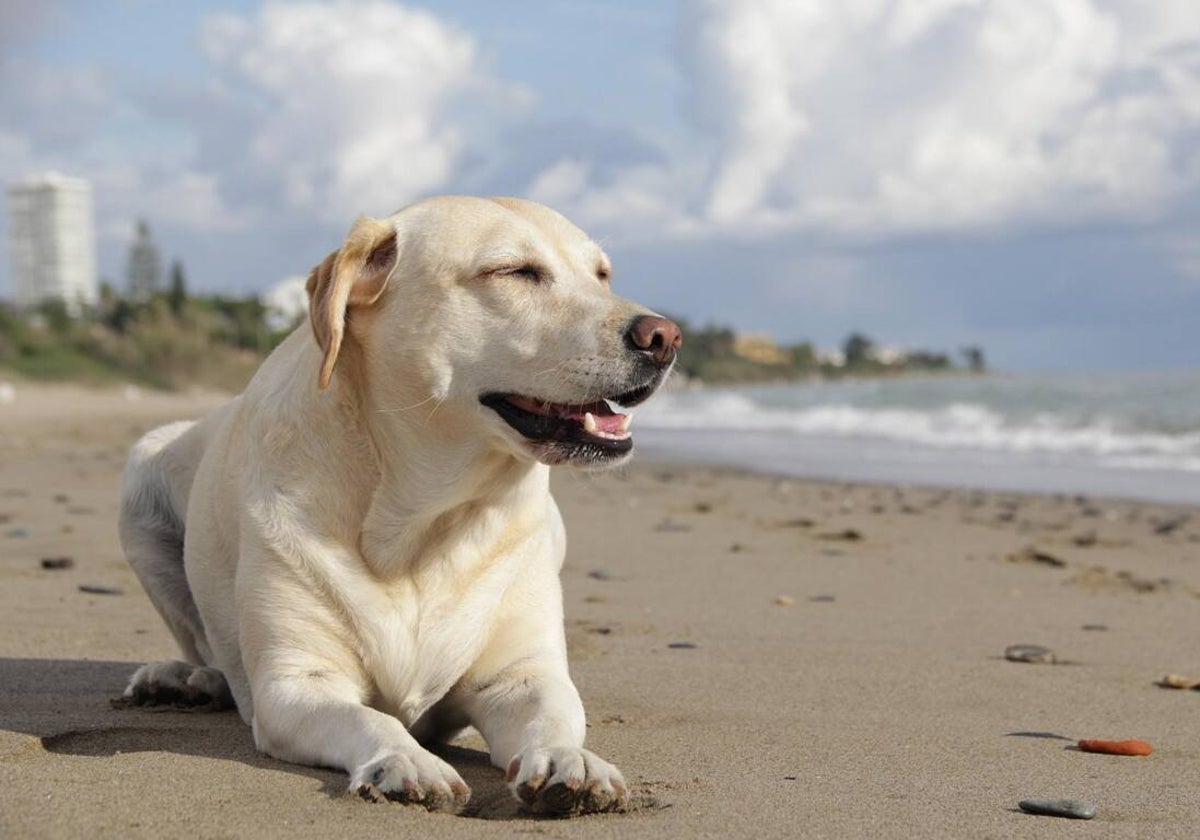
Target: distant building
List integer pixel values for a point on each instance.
(760, 348)
(286, 303)
(833, 358)
(144, 272)
(888, 354)
(52, 241)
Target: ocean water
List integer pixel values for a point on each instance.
(1134, 435)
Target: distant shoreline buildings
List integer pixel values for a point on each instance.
(52, 241)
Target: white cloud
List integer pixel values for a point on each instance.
(877, 117)
(871, 115)
(362, 99)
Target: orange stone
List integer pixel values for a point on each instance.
(1131, 747)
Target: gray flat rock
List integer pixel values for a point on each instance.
(1075, 809)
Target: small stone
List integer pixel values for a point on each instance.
(682, 645)
(1035, 654)
(1075, 809)
(1033, 555)
(1130, 747)
(1095, 628)
(17, 532)
(785, 600)
(61, 498)
(1169, 526)
(1178, 681)
(57, 562)
(848, 535)
(823, 599)
(94, 589)
(600, 574)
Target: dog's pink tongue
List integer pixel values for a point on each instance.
(612, 422)
(605, 418)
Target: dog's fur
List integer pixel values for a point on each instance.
(358, 553)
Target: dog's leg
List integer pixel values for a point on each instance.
(181, 684)
(152, 531)
(533, 720)
(308, 713)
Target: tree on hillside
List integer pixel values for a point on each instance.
(804, 357)
(177, 294)
(974, 358)
(857, 349)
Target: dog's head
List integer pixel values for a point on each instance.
(491, 319)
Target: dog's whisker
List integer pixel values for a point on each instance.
(433, 410)
(408, 407)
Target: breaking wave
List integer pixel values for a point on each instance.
(1105, 438)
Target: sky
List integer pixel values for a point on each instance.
(1019, 174)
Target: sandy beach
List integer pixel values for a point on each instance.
(763, 657)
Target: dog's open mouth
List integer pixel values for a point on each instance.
(594, 432)
(595, 423)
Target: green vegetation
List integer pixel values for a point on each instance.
(168, 340)
(717, 354)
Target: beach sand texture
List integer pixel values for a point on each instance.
(838, 664)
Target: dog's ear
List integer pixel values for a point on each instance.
(353, 275)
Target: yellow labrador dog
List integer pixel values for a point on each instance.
(361, 551)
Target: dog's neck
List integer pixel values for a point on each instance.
(433, 475)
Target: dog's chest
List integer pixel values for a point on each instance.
(429, 636)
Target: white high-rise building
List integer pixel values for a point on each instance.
(52, 241)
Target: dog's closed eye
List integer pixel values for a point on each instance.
(530, 272)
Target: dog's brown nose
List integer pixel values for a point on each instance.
(657, 337)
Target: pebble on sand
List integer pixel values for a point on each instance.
(94, 589)
(1178, 681)
(1130, 747)
(785, 600)
(600, 574)
(847, 535)
(682, 645)
(1035, 654)
(1076, 809)
(1031, 554)
(57, 562)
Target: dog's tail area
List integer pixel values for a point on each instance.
(151, 525)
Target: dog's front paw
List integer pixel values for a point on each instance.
(419, 778)
(563, 781)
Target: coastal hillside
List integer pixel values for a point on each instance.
(171, 340)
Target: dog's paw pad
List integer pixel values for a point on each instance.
(566, 781)
(411, 779)
(179, 685)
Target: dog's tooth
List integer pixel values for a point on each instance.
(589, 423)
(624, 427)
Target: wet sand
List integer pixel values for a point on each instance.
(762, 657)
